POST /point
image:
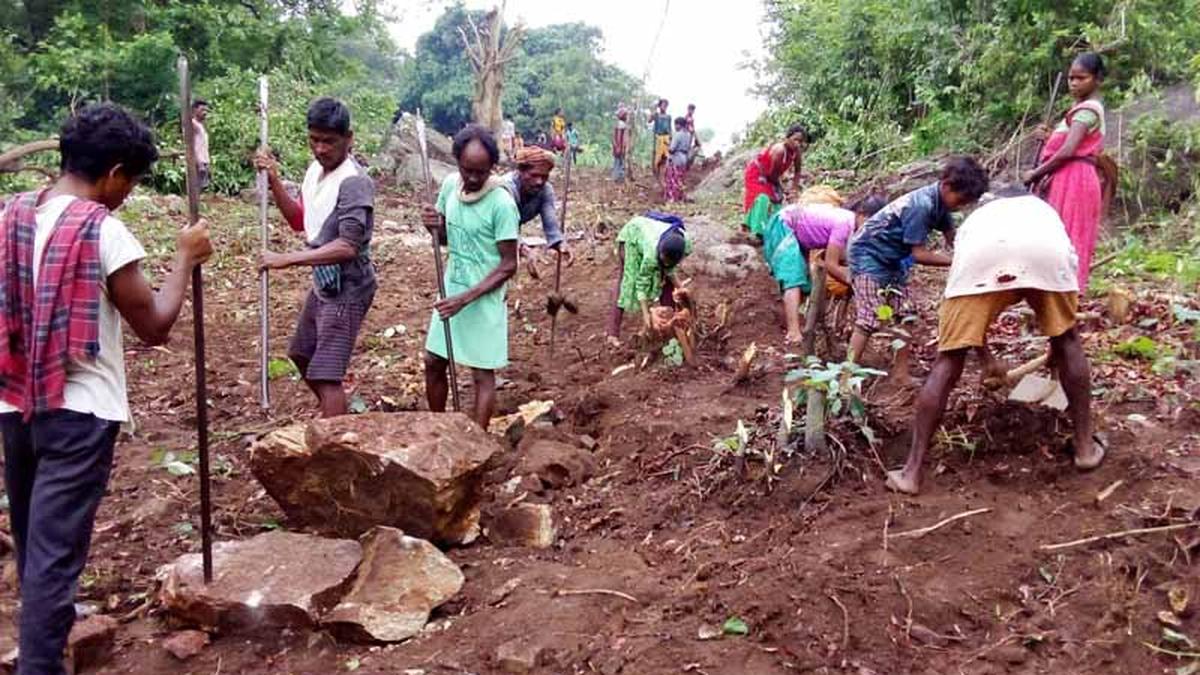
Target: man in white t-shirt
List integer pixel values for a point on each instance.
(1012, 249)
(62, 383)
(200, 142)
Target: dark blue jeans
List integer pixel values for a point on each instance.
(56, 469)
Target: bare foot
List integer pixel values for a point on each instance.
(1092, 454)
(793, 338)
(897, 481)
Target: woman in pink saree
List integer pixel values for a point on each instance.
(1066, 175)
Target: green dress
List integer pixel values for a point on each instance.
(480, 330)
(641, 277)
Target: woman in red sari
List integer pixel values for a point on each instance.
(1066, 174)
(764, 178)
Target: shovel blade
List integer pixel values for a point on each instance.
(1041, 390)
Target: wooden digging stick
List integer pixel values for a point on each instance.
(437, 261)
(562, 224)
(193, 203)
(264, 296)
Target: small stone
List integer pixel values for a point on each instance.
(588, 442)
(275, 580)
(1010, 654)
(501, 593)
(400, 581)
(523, 525)
(927, 636)
(186, 644)
(90, 644)
(557, 465)
(518, 656)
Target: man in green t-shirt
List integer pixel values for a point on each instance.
(478, 221)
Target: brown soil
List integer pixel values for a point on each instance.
(694, 536)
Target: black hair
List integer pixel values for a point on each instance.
(671, 247)
(797, 129)
(964, 175)
(1093, 63)
(868, 204)
(475, 132)
(198, 102)
(570, 125)
(691, 106)
(680, 122)
(101, 136)
(329, 114)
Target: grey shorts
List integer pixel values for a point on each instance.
(325, 336)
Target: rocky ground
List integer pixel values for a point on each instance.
(675, 546)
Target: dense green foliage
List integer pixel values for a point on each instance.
(897, 79)
(58, 54)
(555, 66)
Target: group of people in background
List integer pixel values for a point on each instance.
(1026, 246)
(564, 138)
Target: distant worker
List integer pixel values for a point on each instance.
(572, 142)
(476, 218)
(677, 162)
(763, 179)
(1011, 250)
(558, 131)
(660, 122)
(530, 187)
(200, 143)
(508, 134)
(878, 253)
(649, 248)
(336, 217)
(1068, 173)
(799, 229)
(620, 145)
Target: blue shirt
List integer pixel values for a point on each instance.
(541, 204)
(880, 248)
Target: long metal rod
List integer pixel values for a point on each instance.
(437, 262)
(264, 283)
(193, 202)
(562, 224)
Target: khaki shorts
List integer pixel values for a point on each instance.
(963, 321)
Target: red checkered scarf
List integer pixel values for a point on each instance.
(43, 329)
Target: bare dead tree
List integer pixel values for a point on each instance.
(489, 52)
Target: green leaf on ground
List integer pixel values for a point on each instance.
(734, 625)
(358, 406)
(1140, 347)
(885, 312)
(277, 368)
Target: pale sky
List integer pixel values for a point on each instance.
(696, 60)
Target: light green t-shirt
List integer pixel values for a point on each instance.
(480, 331)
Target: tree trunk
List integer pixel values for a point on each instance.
(488, 55)
(11, 159)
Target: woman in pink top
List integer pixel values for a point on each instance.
(1068, 162)
(801, 228)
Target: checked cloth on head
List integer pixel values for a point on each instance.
(42, 329)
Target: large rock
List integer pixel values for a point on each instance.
(400, 154)
(732, 262)
(417, 471)
(401, 580)
(278, 579)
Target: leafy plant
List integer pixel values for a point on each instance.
(1141, 347)
(673, 353)
(841, 383)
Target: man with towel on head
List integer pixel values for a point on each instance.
(530, 187)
